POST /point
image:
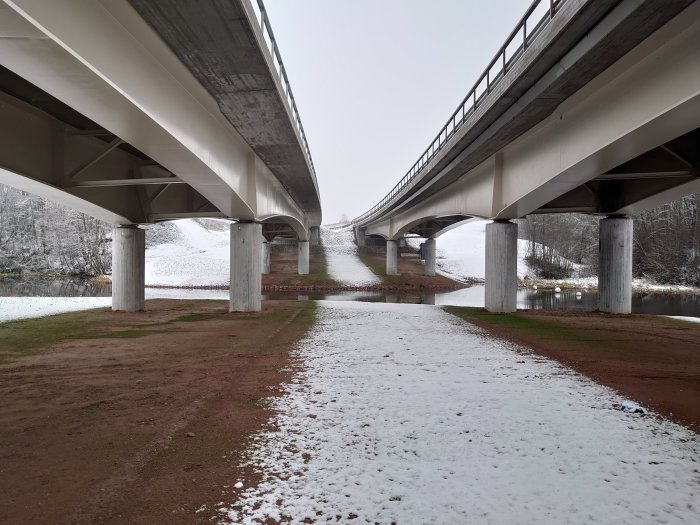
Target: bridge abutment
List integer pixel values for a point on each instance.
(246, 277)
(501, 266)
(265, 255)
(615, 265)
(430, 249)
(128, 268)
(303, 260)
(392, 257)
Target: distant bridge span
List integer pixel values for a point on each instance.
(138, 111)
(595, 109)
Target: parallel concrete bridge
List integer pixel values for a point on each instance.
(590, 106)
(139, 111)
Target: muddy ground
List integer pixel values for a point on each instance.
(652, 360)
(97, 407)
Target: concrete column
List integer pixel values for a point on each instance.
(315, 235)
(246, 277)
(360, 236)
(128, 268)
(501, 266)
(430, 252)
(615, 265)
(303, 264)
(392, 257)
(265, 263)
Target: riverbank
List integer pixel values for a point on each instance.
(652, 360)
(136, 418)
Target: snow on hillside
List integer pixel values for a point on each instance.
(461, 253)
(188, 252)
(344, 265)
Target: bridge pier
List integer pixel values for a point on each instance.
(246, 276)
(303, 261)
(360, 236)
(501, 266)
(615, 265)
(128, 268)
(315, 235)
(392, 257)
(265, 256)
(430, 249)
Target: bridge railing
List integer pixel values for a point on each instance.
(271, 43)
(537, 16)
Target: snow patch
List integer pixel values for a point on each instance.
(344, 266)
(15, 308)
(403, 413)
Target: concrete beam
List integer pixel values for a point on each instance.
(246, 280)
(128, 268)
(501, 266)
(615, 265)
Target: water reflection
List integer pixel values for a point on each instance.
(63, 287)
(656, 304)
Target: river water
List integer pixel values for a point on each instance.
(656, 304)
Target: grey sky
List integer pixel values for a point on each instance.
(375, 80)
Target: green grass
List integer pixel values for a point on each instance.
(190, 318)
(26, 337)
(518, 323)
(604, 339)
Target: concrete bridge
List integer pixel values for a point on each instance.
(590, 106)
(136, 111)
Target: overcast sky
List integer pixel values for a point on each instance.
(375, 80)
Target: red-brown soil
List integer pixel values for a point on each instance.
(96, 411)
(652, 360)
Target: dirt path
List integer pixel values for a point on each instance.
(97, 407)
(652, 360)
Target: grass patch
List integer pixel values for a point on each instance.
(527, 325)
(26, 337)
(190, 318)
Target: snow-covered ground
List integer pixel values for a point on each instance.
(343, 263)
(461, 253)
(15, 308)
(405, 414)
(196, 256)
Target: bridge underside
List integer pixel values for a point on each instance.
(627, 141)
(662, 169)
(128, 136)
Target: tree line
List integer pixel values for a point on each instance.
(42, 237)
(666, 243)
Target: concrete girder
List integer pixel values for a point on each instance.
(647, 99)
(107, 64)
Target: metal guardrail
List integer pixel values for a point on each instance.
(537, 16)
(271, 43)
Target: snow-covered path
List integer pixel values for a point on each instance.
(404, 414)
(344, 266)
